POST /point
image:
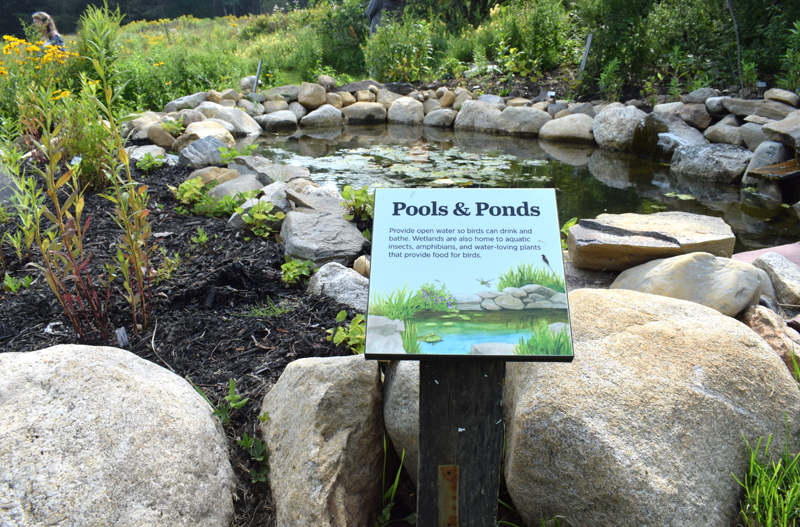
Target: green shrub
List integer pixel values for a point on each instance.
(611, 80)
(400, 51)
(790, 62)
(354, 335)
(98, 31)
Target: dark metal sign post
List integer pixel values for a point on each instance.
(460, 443)
(585, 55)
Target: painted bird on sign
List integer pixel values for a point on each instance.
(547, 263)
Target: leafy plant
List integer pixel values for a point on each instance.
(354, 335)
(790, 61)
(388, 496)
(749, 75)
(359, 203)
(400, 50)
(228, 154)
(232, 401)
(149, 163)
(526, 273)
(269, 309)
(168, 266)
(544, 341)
(259, 218)
(258, 454)
(402, 304)
(296, 271)
(27, 199)
(14, 284)
(409, 336)
(201, 238)
(173, 128)
(436, 299)
(194, 194)
(565, 232)
(610, 80)
(675, 89)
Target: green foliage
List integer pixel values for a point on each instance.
(526, 273)
(409, 336)
(565, 231)
(194, 194)
(359, 203)
(27, 200)
(232, 401)
(354, 335)
(258, 455)
(259, 220)
(296, 271)
(400, 50)
(403, 304)
(385, 516)
(436, 298)
(771, 488)
(544, 341)
(228, 154)
(749, 75)
(168, 266)
(98, 32)
(14, 284)
(149, 163)
(173, 128)
(201, 238)
(790, 61)
(269, 309)
(342, 29)
(611, 80)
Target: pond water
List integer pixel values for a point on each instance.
(456, 333)
(589, 181)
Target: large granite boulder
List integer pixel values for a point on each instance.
(311, 95)
(443, 118)
(522, 120)
(239, 185)
(615, 242)
(278, 121)
(613, 129)
(699, 96)
(186, 102)
(242, 123)
(266, 171)
(784, 96)
(202, 152)
(715, 162)
(741, 107)
(647, 426)
(387, 98)
(769, 325)
(774, 110)
(406, 110)
(752, 135)
(720, 283)
(575, 128)
(784, 274)
(695, 115)
(98, 436)
(786, 131)
(401, 411)
(326, 116)
(324, 437)
(208, 128)
(658, 134)
(342, 284)
(321, 237)
(365, 113)
(767, 153)
(476, 116)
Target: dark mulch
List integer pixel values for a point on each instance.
(199, 325)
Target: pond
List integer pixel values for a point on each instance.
(589, 181)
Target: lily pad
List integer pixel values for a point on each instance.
(448, 324)
(431, 324)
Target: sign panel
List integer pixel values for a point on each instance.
(467, 273)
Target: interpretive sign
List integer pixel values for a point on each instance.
(462, 272)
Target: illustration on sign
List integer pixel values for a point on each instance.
(467, 273)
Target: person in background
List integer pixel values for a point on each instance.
(44, 23)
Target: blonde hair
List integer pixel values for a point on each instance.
(48, 21)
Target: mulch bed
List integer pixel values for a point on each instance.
(199, 326)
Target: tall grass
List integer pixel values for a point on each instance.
(527, 273)
(410, 343)
(544, 341)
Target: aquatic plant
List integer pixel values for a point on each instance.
(545, 341)
(403, 304)
(409, 335)
(526, 274)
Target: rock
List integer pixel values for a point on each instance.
(570, 129)
(768, 153)
(71, 457)
(715, 106)
(137, 153)
(430, 105)
(248, 83)
(554, 108)
(524, 121)
(741, 107)
(508, 302)
(278, 121)
(401, 411)
(723, 284)
(365, 113)
(321, 237)
(757, 119)
(780, 337)
(277, 106)
(784, 275)
(387, 98)
(403, 88)
(360, 85)
(476, 116)
(461, 98)
(312, 96)
(230, 94)
(289, 92)
(570, 154)
(774, 110)
(243, 183)
(365, 96)
(266, 171)
(209, 174)
(201, 153)
(562, 113)
(274, 193)
(249, 107)
(334, 100)
(724, 133)
(324, 437)
(325, 116)
(447, 99)
(160, 137)
(650, 140)
(583, 107)
(648, 417)
(188, 101)
(440, 118)
(518, 101)
(699, 96)
(695, 115)
(752, 135)
(242, 123)
(347, 98)
(784, 96)
(786, 131)
(187, 117)
(613, 129)
(616, 242)
(214, 96)
(327, 82)
(130, 128)
(298, 110)
(406, 110)
(209, 128)
(671, 108)
(362, 266)
(344, 285)
(715, 162)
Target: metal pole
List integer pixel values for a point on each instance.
(258, 74)
(585, 54)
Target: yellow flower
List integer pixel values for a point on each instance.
(158, 64)
(169, 82)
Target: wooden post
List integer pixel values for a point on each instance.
(460, 442)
